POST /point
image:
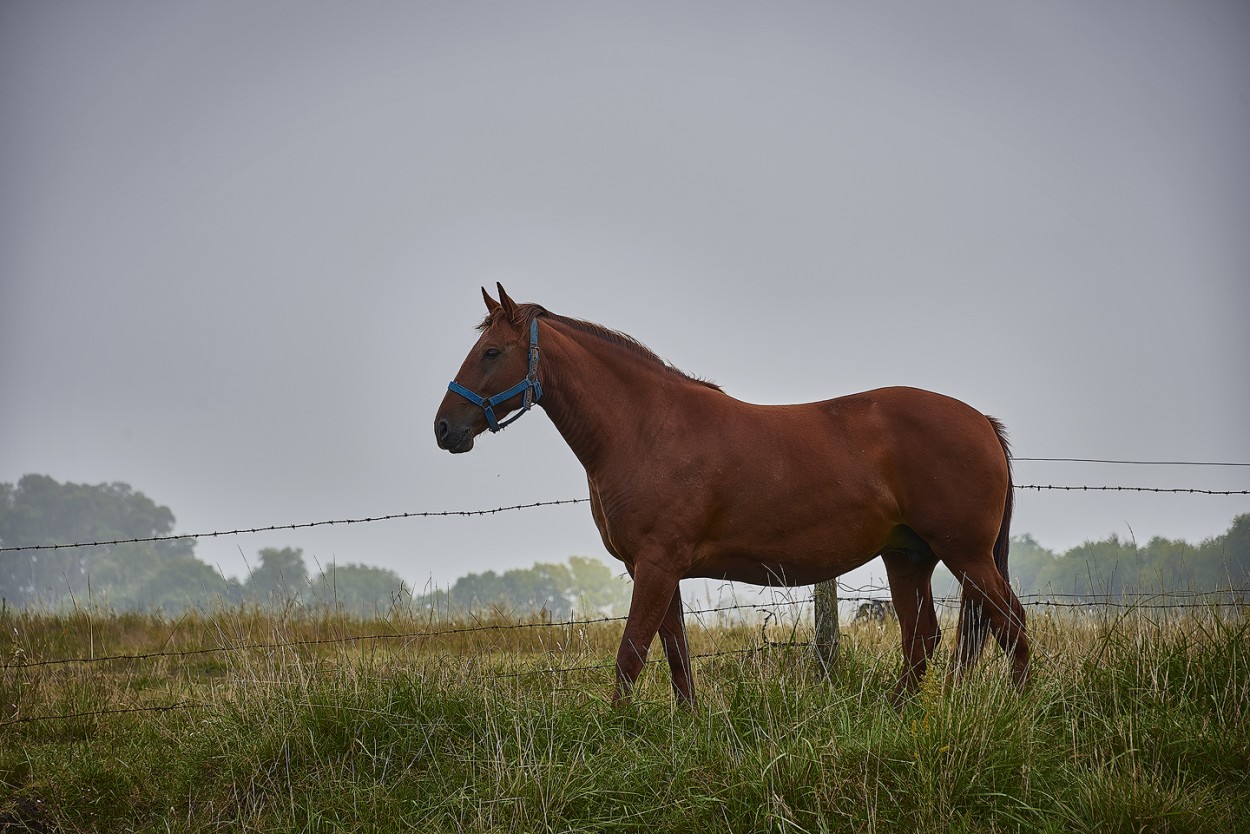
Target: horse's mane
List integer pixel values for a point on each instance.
(525, 313)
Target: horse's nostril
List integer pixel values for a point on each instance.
(443, 428)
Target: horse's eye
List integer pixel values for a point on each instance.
(492, 353)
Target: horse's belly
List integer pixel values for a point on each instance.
(755, 572)
(798, 566)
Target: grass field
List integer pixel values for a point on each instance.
(287, 721)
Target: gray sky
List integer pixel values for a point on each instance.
(241, 243)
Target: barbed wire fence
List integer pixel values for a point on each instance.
(1191, 600)
(1237, 599)
(777, 611)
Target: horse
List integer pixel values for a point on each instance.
(686, 482)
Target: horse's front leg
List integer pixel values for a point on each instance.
(677, 649)
(655, 594)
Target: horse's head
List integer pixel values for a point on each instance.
(486, 387)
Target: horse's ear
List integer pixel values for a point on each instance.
(491, 304)
(509, 306)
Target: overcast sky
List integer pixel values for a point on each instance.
(241, 243)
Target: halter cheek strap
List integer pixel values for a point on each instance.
(532, 388)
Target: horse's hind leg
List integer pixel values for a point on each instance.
(910, 574)
(974, 627)
(990, 606)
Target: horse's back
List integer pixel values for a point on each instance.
(904, 418)
(944, 462)
(900, 426)
(919, 436)
(834, 482)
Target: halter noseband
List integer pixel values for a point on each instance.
(530, 385)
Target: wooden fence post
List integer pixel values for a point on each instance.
(826, 604)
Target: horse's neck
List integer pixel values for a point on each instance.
(602, 398)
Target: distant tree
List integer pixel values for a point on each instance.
(39, 511)
(514, 591)
(1095, 569)
(1233, 551)
(360, 589)
(583, 584)
(176, 586)
(137, 576)
(596, 589)
(280, 577)
(1225, 560)
(1029, 564)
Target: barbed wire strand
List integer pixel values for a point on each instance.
(515, 507)
(1134, 462)
(320, 641)
(301, 526)
(1175, 490)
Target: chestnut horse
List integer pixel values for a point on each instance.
(686, 481)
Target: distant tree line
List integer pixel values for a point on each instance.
(166, 575)
(584, 586)
(1114, 567)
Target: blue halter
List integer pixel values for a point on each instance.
(530, 385)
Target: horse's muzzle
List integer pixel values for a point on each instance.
(453, 440)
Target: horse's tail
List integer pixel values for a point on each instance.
(1003, 543)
